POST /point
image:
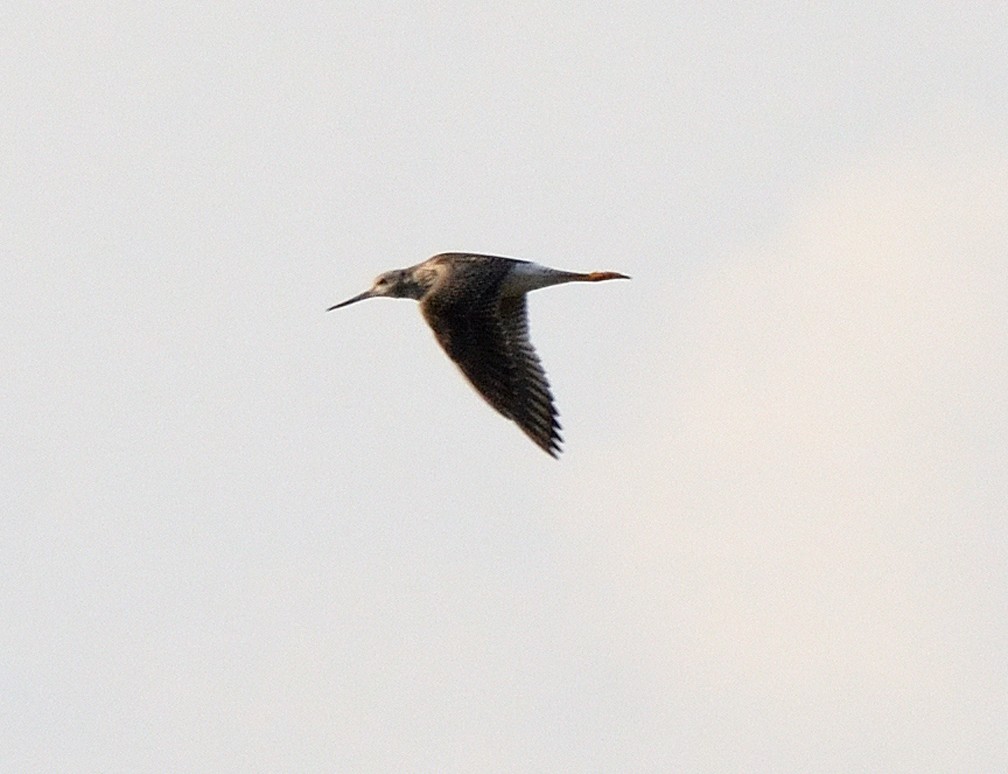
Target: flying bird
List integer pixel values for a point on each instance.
(475, 304)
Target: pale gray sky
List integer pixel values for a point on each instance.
(242, 534)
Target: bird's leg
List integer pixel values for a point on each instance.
(531, 276)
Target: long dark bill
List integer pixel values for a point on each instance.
(354, 300)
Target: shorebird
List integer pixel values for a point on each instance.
(475, 304)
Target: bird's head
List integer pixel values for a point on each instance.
(399, 283)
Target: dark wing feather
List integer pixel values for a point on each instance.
(487, 338)
(536, 413)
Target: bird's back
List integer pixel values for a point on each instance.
(466, 278)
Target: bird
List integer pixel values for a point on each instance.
(475, 305)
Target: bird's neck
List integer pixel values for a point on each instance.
(417, 281)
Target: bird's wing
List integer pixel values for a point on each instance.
(487, 337)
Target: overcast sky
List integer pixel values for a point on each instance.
(242, 534)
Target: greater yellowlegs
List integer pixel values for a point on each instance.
(475, 304)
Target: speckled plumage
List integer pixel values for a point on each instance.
(475, 304)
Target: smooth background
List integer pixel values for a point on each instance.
(241, 534)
